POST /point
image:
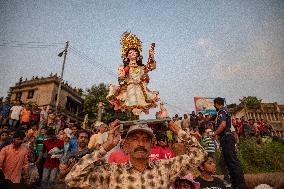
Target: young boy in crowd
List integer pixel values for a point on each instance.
(166, 151)
(208, 142)
(51, 165)
(206, 180)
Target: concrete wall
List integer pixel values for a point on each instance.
(42, 94)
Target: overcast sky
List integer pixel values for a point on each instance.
(203, 48)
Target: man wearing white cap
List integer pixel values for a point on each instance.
(92, 171)
(95, 137)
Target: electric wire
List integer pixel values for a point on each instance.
(91, 61)
(93, 64)
(85, 56)
(28, 44)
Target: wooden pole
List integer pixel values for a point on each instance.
(100, 111)
(61, 76)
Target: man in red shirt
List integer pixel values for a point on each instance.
(51, 164)
(261, 127)
(240, 128)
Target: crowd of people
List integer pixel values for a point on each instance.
(251, 127)
(39, 147)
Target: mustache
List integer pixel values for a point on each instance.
(140, 149)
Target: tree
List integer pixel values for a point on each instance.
(81, 92)
(96, 94)
(9, 94)
(250, 101)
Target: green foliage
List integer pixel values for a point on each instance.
(80, 91)
(250, 101)
(263, 157)
(9, 94)
(96, 94)
(258, 158)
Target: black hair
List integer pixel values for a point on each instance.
(204, 161)
(178, 181)
(12, 130)
(7, 132)
(19, 134)
(139, 62)
(219, 101)
(84, 131)
(123, 135)
(162, 136)
(75, 125)
(43, 128)
(34, 124)
(50, 132)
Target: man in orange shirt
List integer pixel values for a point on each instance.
(14, 158)
(25, 116)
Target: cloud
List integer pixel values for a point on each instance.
(224, 66)
(212, 52)
(262, 58)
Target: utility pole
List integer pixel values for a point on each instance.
(61, 76)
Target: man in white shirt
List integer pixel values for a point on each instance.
(15, 112)
(43, 118)
(185, 124)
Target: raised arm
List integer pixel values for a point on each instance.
(151, 64)
(194, 155)
(92, 170)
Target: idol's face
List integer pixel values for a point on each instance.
(132, 54)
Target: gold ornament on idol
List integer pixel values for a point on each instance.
(128, 41)
(136, 70)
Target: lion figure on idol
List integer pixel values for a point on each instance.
(132, 92)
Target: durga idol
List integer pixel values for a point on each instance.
(132, 92)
